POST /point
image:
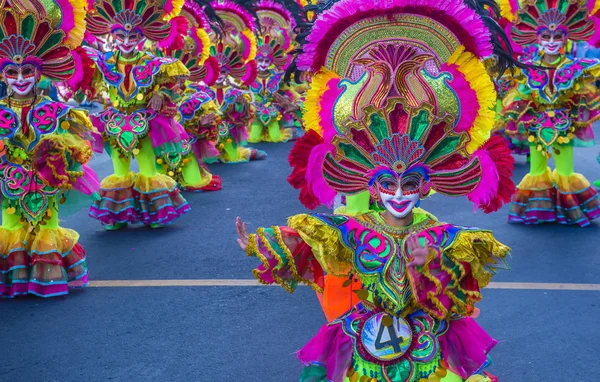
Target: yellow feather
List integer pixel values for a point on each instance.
(253, 43)
(80, 10)
(205, 39)
(478, 78)
(312, 101)
(177, 6)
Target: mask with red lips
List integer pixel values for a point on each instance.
(21, 79)
(551, 41)
(398, 195)
(127, 42)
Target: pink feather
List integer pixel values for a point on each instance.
(487, 188)
(595, 39)
(76, 79)
(179, 28)
(68, 19)
(314, 174)
(467, 96)
(327, 101)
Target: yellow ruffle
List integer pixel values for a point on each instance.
(174, 69)
(312, 102)
(82, 121)
(12, 239)
(478, 78)
(114, 181)
(537, 182)
(570, 183)
(148, 184)
(478, 248)
(326, 243)
(61, 240)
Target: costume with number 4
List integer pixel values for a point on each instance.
(402, 104)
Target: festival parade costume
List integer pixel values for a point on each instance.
(399, 98)
(129, 127)
(272, 123)
(235, 51)
(555, 103)
(43, 150)
(188, 166)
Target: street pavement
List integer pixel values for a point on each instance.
(249, 333)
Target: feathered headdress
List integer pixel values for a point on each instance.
(43, 33)
(570, 16)
(399, 86)
(235, 50)
(276, 33)
(154, 19)
(195, 53)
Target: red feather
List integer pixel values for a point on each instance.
(298, 160)
(497, 147)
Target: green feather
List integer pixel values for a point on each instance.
(118, 5)
(51, 42)
(27, 27)
(446, 147)
(419, 125)
(354, 154)
(139, 7)
(379, 127)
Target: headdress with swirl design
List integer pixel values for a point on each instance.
(156, 20)
(570, 16)
(42, 33)
(235, 49)
(399, 86)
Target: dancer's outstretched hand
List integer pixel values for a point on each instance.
(156, 102)
(207, 119)
(418, 252)
(242, 232)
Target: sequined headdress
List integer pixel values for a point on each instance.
(570, 16)
(235, 49)
(195, 53)
(42, 33)
(276, 33)
(155, 19)
(399, 86)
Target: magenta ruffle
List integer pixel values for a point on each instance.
(466, 346)
(204, 150)
(88, 183)
(332, 348)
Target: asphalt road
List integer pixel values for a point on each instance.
(219, 333)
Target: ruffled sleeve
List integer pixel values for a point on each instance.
(462, 261)
(326, 244)
(299, 253)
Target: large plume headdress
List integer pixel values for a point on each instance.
(399, 86)
(276, 33)
(156, 20)
(570, 16)
(43, 33)
(235, 48)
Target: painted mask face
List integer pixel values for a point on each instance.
(263, 63)
(21, 79)
(552, 41)
(398, 196)
(222, 77)
(127, 42)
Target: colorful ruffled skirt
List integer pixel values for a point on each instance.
(46, 263)
(137, 198)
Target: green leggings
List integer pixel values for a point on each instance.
(145, 158)
(563, 160)
(273, 128)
